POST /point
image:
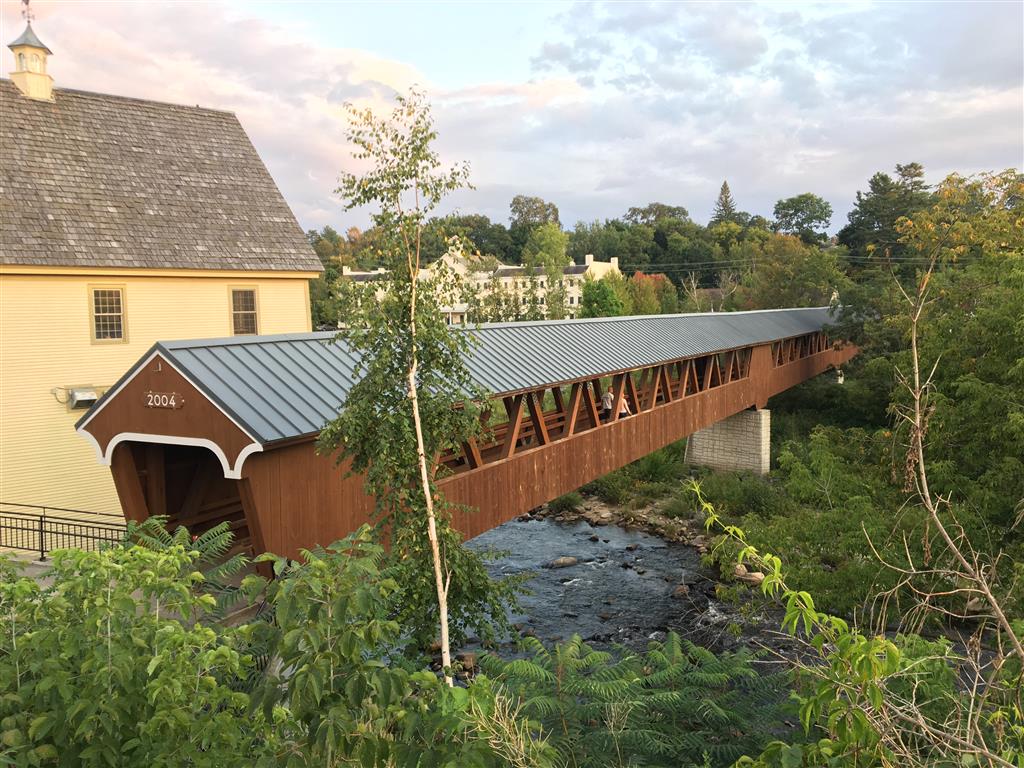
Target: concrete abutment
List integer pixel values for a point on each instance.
(740, 442)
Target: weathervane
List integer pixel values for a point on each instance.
(26, 11)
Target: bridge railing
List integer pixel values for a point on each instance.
(40, 530)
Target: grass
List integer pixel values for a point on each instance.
(570, 502)
(646, 480)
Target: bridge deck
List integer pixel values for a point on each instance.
(231, 431)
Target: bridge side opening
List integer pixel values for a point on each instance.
(524, 421)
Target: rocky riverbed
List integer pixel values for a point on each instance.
(617, 577)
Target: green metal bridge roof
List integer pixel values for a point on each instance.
(286, 386)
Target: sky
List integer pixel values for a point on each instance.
(596, 107)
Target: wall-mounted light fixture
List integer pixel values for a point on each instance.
(77, 397)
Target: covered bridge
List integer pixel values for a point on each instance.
(225, 429)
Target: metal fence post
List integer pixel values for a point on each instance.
(42, 536)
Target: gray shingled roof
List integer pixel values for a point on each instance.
(281, 387)
(106, 181)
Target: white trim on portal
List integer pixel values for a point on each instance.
(230, 472)
(110, 395)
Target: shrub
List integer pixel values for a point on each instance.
(570, 502)
(613, 488)
(116, 663)
(679, 507)
(657, 467)
(647, 479)
(743, 493)
(93, 666)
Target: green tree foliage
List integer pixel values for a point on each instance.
(599, 299)
(674, 705)
(830, 491)
(546, 247)
(601, 240)
(807, 216)
(325, 309)
(526, 213)
(114, 663)
(725, 207)
(328, 244)
(643, 294)
(973, 333)
(545, 258)
(652, 294)
(652, 213)
(686, 248)
(875, 700)
(970, 330)
(845, 478)
(401, 338)
(330, 249)
(871, 232)
(620, 287)
(789, 273)
(529, 212)
(334, 695)
(487, 237)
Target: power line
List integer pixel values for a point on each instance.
(909, 260)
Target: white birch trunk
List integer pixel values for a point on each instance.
(435, 548)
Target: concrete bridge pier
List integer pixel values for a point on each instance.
(740, 442)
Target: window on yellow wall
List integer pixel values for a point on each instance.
(243, 311)
(107, 305)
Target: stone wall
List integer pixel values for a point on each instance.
(741, 442)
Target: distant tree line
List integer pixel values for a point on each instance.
(738, 260)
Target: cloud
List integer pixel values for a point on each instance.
(815, 98)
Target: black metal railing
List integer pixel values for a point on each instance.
(38, 529)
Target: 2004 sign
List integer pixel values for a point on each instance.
(163, 400)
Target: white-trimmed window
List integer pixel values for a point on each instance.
(106, 308)
(243, 312)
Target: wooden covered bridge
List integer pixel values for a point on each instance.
(225, 429)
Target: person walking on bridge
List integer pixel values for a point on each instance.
(607, 403)
(624, 408)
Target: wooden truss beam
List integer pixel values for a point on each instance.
(578, 409)
(540, 426)
(514, 406)
(573, 413)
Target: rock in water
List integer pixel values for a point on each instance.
(563, 562)
(753, 578)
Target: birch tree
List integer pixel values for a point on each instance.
(413, 398)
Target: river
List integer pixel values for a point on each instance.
(626, 587)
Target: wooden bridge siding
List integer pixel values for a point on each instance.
(297, 498)
(508, 488)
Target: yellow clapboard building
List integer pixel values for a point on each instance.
(122, 222)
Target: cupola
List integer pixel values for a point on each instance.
(29, 72)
